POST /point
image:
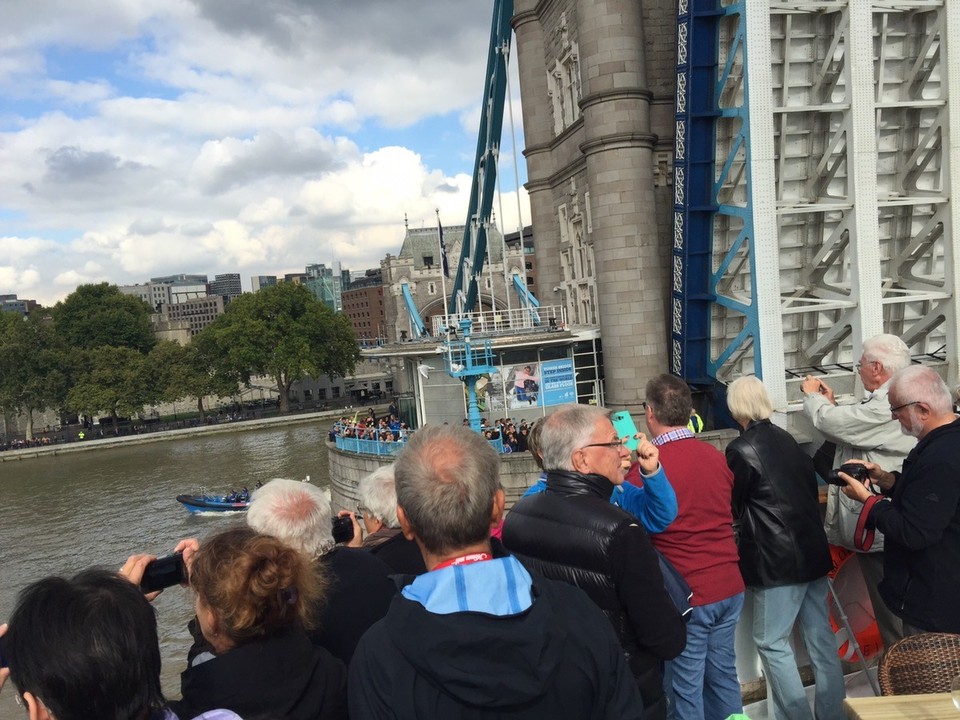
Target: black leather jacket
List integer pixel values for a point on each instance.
(571, 532)
(775, 506)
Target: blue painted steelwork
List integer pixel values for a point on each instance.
(468, 360)
(418, 327)
(474, 248)
(697, 186)
(527, 299)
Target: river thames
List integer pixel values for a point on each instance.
(64, 513)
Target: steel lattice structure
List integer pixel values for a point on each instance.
(816, 141)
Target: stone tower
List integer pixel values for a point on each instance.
(597, 82)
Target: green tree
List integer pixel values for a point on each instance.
(33, 366)
(193, 371)
(96, 315)
(115, 380)
(285, 333)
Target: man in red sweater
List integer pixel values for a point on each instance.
(700, 544)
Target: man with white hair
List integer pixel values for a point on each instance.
(862, 430)
(919, 508)
(359, 588)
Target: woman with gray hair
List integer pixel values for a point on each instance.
(378, 510)
(784, 556)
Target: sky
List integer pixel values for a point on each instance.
(141, 138)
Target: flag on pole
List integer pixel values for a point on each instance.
(443, 250)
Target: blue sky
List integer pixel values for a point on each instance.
(148, 137)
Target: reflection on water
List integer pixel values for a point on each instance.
(61, 514)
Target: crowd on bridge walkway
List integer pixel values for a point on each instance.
(610, 590)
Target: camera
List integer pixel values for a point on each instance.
(858, 471)
(163, 572)
(342, 529)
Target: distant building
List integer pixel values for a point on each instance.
(10, 303)
(295, 278)
(184, 287)
(259, 282)
(363, 305)
(327, 284)
(198, 312)
(226, 285)
(154, 294)
(529, 260)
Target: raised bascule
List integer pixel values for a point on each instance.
(816, 144)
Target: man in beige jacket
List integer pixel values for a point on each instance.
(863, 431)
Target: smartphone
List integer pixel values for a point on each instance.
(3, 652)
(342, 529)
(623, 424)
(163, 572)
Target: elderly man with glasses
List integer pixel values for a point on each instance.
(862, 430)
(918, 509)
(571, 532)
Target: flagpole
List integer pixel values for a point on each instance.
(443, 271)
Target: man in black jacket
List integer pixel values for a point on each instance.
(571, 532)
(477, 636)
(919, 509)
(784, 556)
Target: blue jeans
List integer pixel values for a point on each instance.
(776, 609)
(704, 676)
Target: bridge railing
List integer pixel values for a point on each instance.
(385, 448)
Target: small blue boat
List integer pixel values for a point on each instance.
(213, 503)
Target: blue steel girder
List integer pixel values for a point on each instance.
(473, 251)
(699, 189)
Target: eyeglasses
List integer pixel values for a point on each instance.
(644, 403)
(361, 511)
(898, 408)
(864, 362)
(615, 444)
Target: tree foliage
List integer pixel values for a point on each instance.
(285, 333)
(192, 371)
(93, 316)
(115, 380)
(33, 365)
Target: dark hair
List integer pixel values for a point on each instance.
(670, 399)
(256, 585)
(86, 647)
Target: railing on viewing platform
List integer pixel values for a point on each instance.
(389, 448)
(504, 322)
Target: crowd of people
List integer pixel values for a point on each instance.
(612, 589)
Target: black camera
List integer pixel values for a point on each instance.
(342, 529)
(163, 573)
(858, 471)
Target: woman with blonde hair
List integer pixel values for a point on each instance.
(254, 602)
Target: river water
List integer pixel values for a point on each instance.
(61, 514)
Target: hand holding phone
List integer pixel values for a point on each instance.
(625, 427)
(162, 573)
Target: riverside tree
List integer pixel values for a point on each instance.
(285, 333)
(33, 365)
(195, 370)
(100, 315)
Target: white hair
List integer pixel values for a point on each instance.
(296, 513)
(378, 495)
(888, 350)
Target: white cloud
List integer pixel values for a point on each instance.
(150, 137)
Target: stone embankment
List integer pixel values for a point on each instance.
(325, 417)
